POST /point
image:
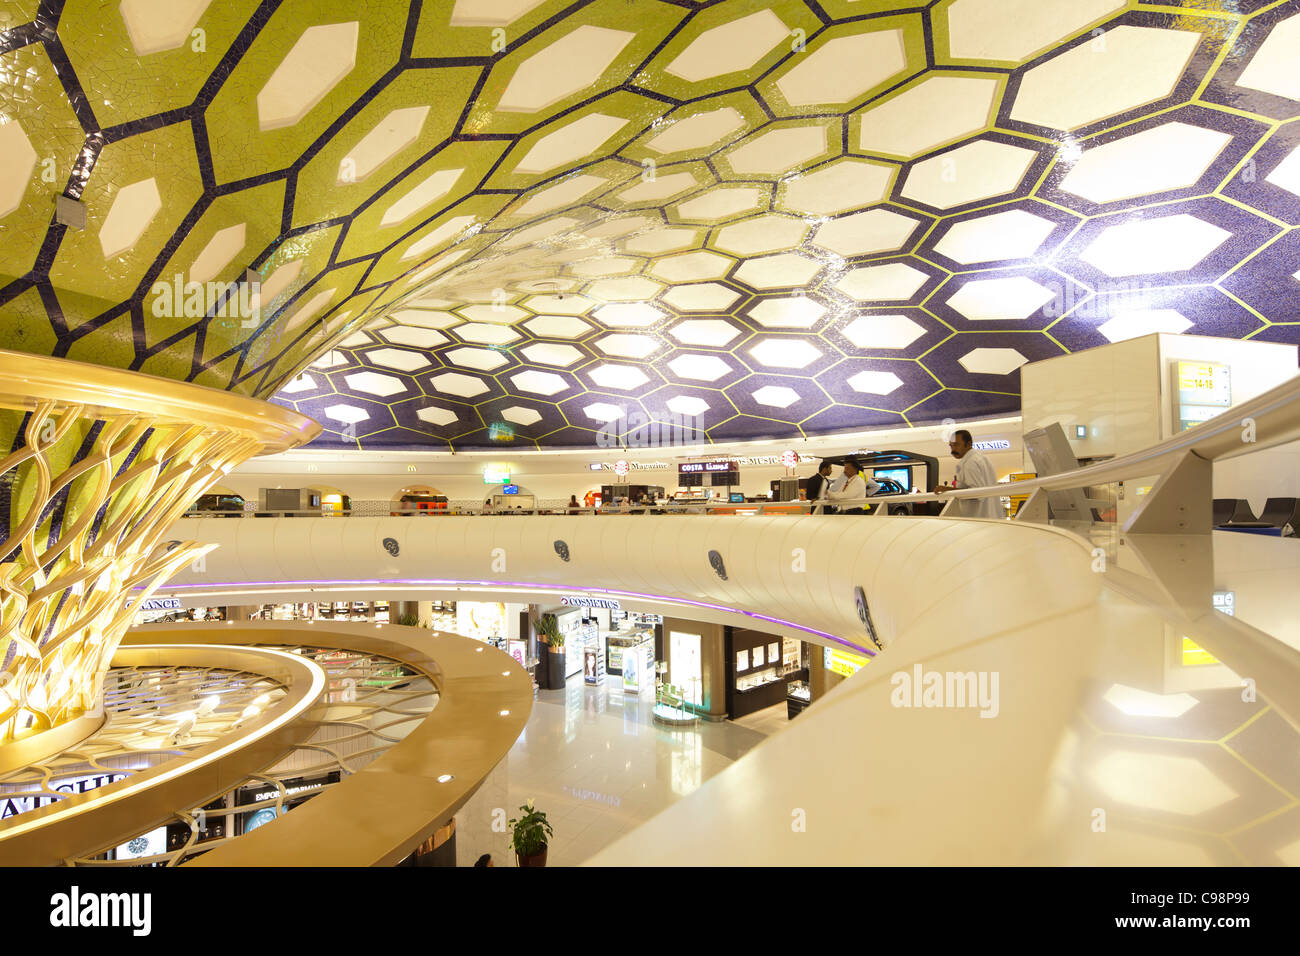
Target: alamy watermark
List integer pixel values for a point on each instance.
(947, 689)
(636, 430)
(190, 300)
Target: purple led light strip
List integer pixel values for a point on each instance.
(528, 585)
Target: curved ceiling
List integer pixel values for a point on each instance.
(508, 222)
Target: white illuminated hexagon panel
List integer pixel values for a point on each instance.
(1285, 175)
(730, 47)
(563, 193)
(1169, 156)
(692, 266)
(777, 150)
(320, 58)
(1014, 30)
(17, 163)
(660, 240)
(700, 297)
(1137, 322)
(499, 314)
(521, 415)
(603, 412)
(435, 415)
(841, 70)
(978, 170)
(1164, 244)
(134, 208)
(891, 282)
(308, 311)
(1273, 67)
(157, 25)
(1014, 234)
(703, 368)
(883, 332)
(785, 353)
(330, 359)
(721, 202)
(562, 68)
(796, 312)
(626, 345)
(557, 326)
(763, 234)
(539, 383)
(875, 383)
(713, 333)
(560, 304)
(224, 245)
(776, 396)
(396, 131)
(449, 230)
(571, 142)
(1012, 297)
(374, 383)
(490, 13)
(628, 315)
(419, 338)
(863, 233)
(548, 353)
(986, 361)
(687, 405)
(425, 191)
(347, 414)
(622, 378)
(454, 383)
(485, 334)
(631, 288)
(701, 131)
(782, 271)
(484, 360)
(1124, 68)
(402, 359)
(838, 187)
(659, 188)
(937, 111)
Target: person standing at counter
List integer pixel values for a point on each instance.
(573, 504)
(974, 470)
(817, 484)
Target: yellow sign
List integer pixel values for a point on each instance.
(1018, 500)
(843, 663)
(1196, 656)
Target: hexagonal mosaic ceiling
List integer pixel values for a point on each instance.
(512, 222)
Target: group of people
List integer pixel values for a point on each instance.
(974, 470)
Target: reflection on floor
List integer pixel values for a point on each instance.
(593, 759)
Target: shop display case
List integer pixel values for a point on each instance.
(763, 665)
(798, 696)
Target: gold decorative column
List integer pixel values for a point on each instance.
(96, 464)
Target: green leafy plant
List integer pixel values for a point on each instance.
(549, 628)
(409, 620)
(530, 833)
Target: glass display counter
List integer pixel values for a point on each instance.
(797, 698)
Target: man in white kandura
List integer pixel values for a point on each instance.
(974, 470)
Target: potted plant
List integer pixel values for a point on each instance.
(549, 630)
(530, 835)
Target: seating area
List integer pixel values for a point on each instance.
(1281, 516)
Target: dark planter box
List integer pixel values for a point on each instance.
(554, 669)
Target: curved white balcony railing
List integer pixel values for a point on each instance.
(1084, 733)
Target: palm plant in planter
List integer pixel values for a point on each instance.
(530, 835)
(553, 662)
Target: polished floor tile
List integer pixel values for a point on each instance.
(596, 762)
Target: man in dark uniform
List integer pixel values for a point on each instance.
(817, 483)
